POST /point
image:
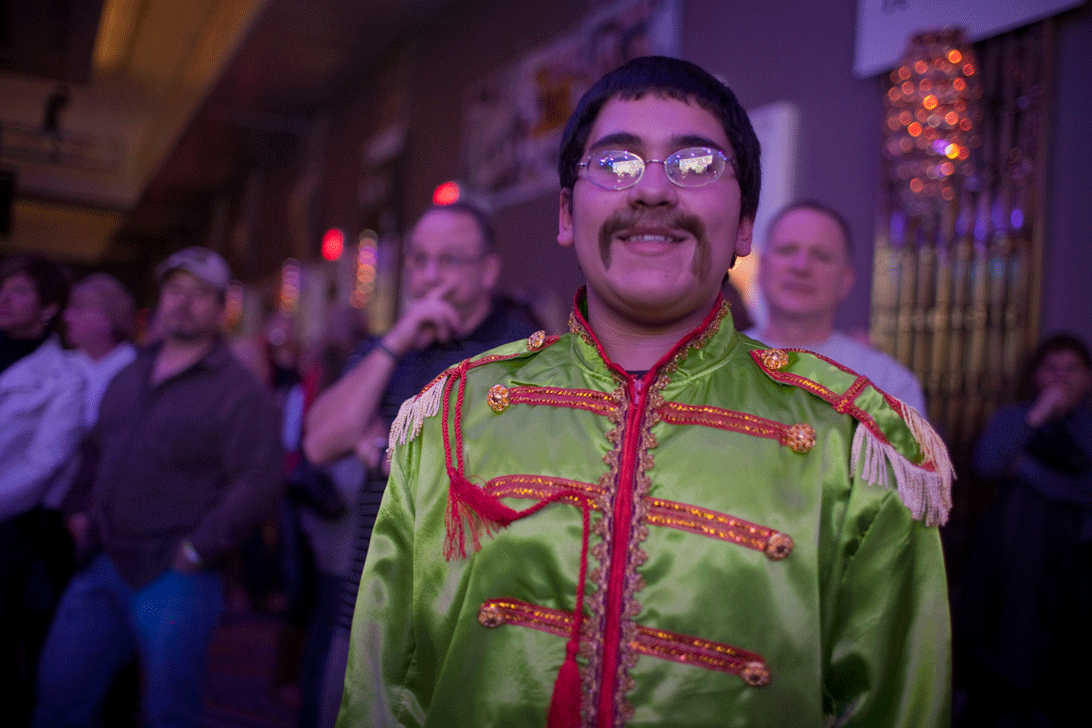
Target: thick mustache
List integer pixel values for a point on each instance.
(674, 220)
(670, 221)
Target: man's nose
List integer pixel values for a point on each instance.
(431, 269)
(800, 262)
(654, 188)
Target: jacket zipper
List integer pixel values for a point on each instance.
(620, 537)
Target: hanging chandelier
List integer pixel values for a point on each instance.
(933, 113)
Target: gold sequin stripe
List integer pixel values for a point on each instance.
(711, 328)
(660, 512)
(846, 405)
(841, 403)
(496, 357)
(442, 375)
(586, 399)
(724, 419)
(538, 487)
(496, 612)
(576, 327)
(660, 643)
(705, 522)
(750, 667)
(794, 379)
(828, 360)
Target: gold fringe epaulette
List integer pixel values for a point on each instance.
(923, 478)
(926, 487)
(414, 411)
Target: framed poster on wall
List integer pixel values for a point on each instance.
(515, 116)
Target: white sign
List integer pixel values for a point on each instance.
(777, 127)
(885, 26)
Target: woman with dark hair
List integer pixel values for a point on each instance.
(41, 407)
(1034, 565)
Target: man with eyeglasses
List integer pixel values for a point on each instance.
(452, 271)
(652, 520)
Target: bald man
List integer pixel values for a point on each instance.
(804, 275)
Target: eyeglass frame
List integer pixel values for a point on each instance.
(444, 261)
(729, 162)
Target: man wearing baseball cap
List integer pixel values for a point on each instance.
(188, 464)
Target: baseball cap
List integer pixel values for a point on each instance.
(201, 263)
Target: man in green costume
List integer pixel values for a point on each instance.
(652, 520)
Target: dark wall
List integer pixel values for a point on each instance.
(470, 42)
(1067, 267)
(803, 53)
(777, 50)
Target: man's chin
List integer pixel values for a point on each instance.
(656, 306)
(187, 335)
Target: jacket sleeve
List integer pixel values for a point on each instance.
(379, 685)
(253, 458)
(25, 478)
(889, 654)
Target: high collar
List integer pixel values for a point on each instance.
(702, 349)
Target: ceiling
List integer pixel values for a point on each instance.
(125, 119)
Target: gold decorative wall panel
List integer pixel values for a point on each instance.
(956, 282)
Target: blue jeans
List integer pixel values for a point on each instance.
(99, 625)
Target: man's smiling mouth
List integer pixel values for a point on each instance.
(640, 237)
(656, 230)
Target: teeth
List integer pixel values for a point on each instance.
(649, 239)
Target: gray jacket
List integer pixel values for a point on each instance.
(41, 407)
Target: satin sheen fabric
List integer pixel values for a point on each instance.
(853, 625)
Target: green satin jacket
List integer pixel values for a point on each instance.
(753, 557)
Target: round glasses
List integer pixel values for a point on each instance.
(617, 169)
(419, 260)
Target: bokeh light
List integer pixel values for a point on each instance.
(447, 193)
(333, 244)
(932, 112)
(288, 298)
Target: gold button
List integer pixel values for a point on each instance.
(778, 546)
(755, 674)
(800, 438)
(776, 359)
(536, 340)
(490, 615)
(498, 397)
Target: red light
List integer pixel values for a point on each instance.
(333, 243)
(447, 193)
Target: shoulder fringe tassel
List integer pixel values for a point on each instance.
(413, 413)
(927, 493)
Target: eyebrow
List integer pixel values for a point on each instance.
(618, 139)
(626, 139)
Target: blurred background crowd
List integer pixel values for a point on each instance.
(228, 253)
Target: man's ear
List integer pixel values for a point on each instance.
(491, 269)
(845, 285)
(743, 237)
(50, 311)
(565, 218)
